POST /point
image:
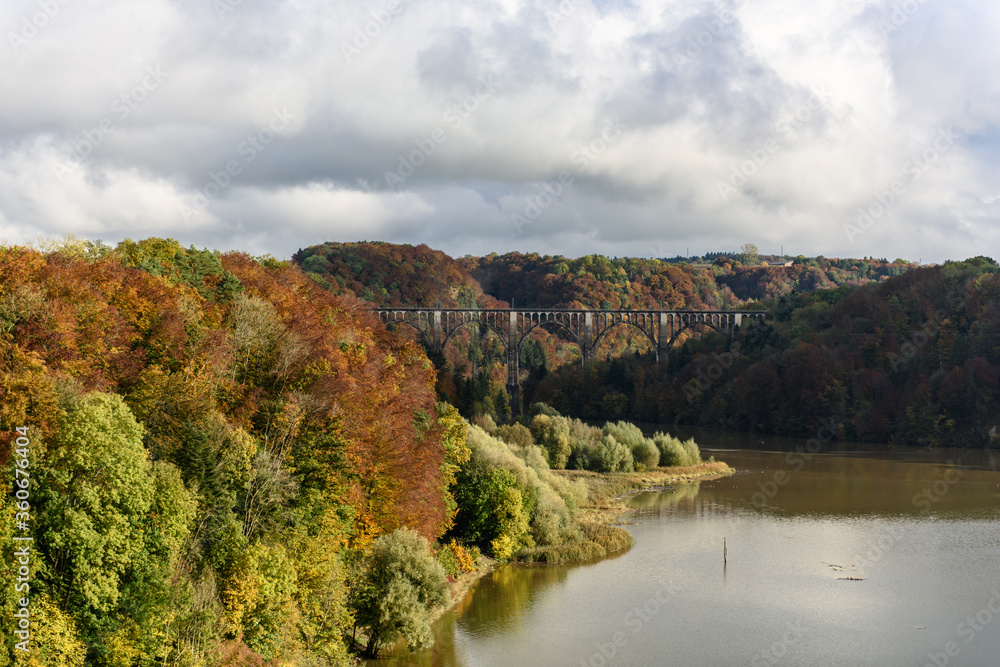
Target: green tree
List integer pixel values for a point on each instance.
(611, 456)
(110, 525)
(749, 254)
(552, 434)
(400, 585)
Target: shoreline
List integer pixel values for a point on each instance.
(607, 494)
(608, 491)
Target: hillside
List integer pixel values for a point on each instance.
(405, 275)
(209, 434)
(914, 360)
(387, 274)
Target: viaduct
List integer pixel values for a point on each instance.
(585, 327)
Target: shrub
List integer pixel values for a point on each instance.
(692, 451)
(455, 559)
(625, 433)
(673, 452)
(583, 438)
(485, 422)
(515, 435)
(612, 456)
(400, 585)
(611, 538)
(646, 455)
(552, 434)
(492, 510)
(543, 409)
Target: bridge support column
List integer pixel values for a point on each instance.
(588, 336)
(437, 337)
(513, 372)
(663, 340)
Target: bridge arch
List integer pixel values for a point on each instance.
(690, 325)
(458, 327)
(423, 333)
(645, 334)
(561, 325)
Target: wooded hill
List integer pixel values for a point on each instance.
(891, 351)
(404, 275)
(914, 360)
(209, 435)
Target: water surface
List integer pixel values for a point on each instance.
(921, 530)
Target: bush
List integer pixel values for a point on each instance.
(644, 452)
(492, 509)
(673, 452)
(611, 538)
(583, 439)
(400, 585)
(455, 559)
(485, 422)
(646, 455)
(625, 433)
(612, 456)
(692, 451)
(543, 409)
(515, 435)
(592, 541)
(552, 434)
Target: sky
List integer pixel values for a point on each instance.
(844, 128)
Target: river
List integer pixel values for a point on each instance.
(851, 555)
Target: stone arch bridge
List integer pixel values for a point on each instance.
(585, 327)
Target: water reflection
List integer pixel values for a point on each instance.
(920, 528)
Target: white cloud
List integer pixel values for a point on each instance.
(700, 91)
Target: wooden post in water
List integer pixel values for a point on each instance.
(725, 551)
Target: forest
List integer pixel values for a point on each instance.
(227, 460)
(212, 452)
(913, 360)
(891, 351)
(212, 460)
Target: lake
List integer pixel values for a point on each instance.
(836, 555)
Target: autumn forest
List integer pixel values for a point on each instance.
(228, 460)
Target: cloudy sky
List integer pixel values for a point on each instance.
(835, 127)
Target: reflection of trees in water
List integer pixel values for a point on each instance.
(499, 601)
(442, 654)
(504, 597)
(667, 497)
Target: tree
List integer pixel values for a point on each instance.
(398, 590)
(110, 525)
(749, 254)
(552, 434)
